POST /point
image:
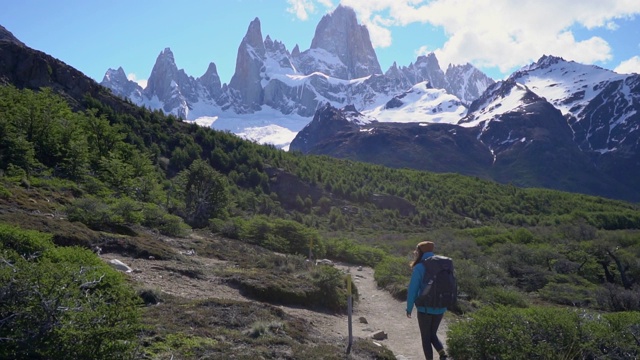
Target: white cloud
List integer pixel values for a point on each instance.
(141, 82)
(379, 34)
(629, 66)
(499, 33)
(423, 50)
(302, 8)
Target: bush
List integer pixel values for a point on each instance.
(285, 236)
(4, 193)
(156, 217)
(26, 243)
(173, 225)
(612, 297)
(504, 296)
(474, 277)
(62, 302)
(611, 336)
(127, 211)
(348, 251)
(544, 333)
(332, 289)
(231, 228)
(90, 211)
(393, 274)
(567, 293)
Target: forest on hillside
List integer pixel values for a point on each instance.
(111, 173)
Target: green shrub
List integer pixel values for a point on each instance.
(504, 296)
(4, 193)
(475, 276)
(544, 333)
(188, 345)
(25, 243)
(90, 211)
(393, 273)
(232, 228)
(611, 336)
(276, 243)
(261, 328)
(155, 217)
(173, 225)
(348, 251)
(332, 289)
(612, 297)
(127, 211)
(579, 293)
(62, 302)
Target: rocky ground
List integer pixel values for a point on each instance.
(376, 311)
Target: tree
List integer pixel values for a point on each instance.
(62, 302)
(205, 193)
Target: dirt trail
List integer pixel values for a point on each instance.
(383, 312)
(378, 307)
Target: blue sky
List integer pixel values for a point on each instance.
(497, 36)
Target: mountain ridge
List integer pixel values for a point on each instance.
(340, 67)
(510, 135)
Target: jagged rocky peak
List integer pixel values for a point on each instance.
(340, 35)
(115, 76)
(163, 73)
(6, 35)
(296, 51)
(545, 61)
(253, 36)
(211, 81)
(277, 52)
(173, 87)
(466, 82)
(274, 45)
(494, 99)
(117, 81)
(245, 82)
(429, 61)
(427, 68)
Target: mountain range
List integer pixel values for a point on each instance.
(554, 123)
(340, 68)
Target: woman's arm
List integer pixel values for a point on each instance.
(414, 286)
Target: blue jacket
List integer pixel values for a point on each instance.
(415, 288)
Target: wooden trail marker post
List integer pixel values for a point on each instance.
(349, 311)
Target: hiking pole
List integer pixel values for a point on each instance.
(349, 310)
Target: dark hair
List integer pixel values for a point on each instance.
(418, 257)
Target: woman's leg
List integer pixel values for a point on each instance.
(425, 322)
(435, 323)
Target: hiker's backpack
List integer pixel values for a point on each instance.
(439, 287)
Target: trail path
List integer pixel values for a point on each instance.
(383, 312)
(377, 306)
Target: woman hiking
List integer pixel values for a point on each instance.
(429, 318)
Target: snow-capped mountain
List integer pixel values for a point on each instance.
(554, 124)
(341, 48)
(168, 88)
(340, 68)
(466, 82)
(120, 84)
(421, 103)
(601, 106)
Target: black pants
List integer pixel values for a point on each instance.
(429, 324)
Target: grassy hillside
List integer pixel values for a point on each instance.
(124, 180)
